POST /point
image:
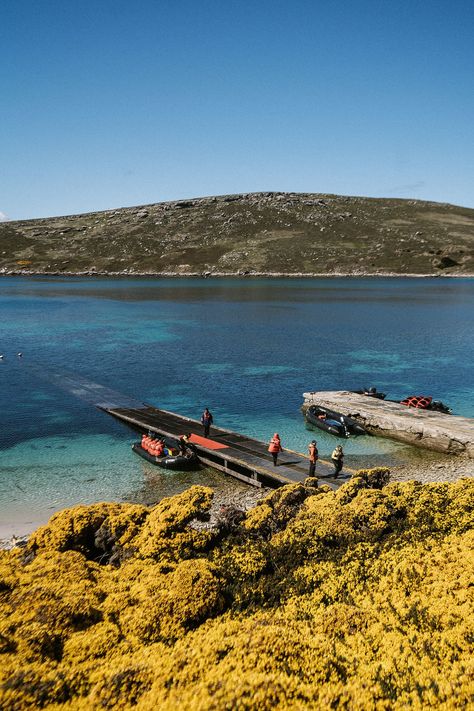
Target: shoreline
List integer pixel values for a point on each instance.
(237, 275)
(429, 472)
(244, 499)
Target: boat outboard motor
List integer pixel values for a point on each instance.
(439, 406)
(344, 425)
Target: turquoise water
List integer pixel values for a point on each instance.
(248, 349)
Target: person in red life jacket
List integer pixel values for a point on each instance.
(313, 456)
(275, 447)
(207, 420)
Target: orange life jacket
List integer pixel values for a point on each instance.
(419, 401)
(313, 453)
(275, 445)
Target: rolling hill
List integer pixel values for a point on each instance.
(257, 233)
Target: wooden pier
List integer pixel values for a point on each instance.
(235, 454)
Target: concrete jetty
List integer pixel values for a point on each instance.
(422, 428)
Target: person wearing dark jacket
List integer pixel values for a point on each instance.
(313, 456)
(207, 420)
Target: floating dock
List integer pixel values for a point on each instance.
(436, 431)
(230, 452)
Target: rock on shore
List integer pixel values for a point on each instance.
(422, 428)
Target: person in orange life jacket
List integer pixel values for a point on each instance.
(159, 448)
(275, 447)
(313, 456)
(207, 420)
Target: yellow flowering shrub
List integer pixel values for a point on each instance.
(89, 529)
(166, 536)
(360, 598)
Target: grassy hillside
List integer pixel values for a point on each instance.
(285, 233)
(357, 599)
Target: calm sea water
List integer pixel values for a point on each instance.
(248, 349)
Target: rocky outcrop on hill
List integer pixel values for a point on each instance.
(249, 234)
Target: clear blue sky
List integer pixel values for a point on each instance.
(108, 103)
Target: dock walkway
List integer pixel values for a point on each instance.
(236, 454)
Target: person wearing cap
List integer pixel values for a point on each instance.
(275, 447)
(313, 456)
(338, 460)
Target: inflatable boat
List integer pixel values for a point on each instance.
(333, 422)
(371, 392)
(172, 457)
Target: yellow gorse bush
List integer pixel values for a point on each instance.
(356, 599)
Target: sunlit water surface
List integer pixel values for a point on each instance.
(248, 349)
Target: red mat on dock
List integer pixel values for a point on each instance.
(208, 443)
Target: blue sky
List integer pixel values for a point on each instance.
(111, 103)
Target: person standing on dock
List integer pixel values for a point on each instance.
(313, 456)
(275, 447)
(338, 460)
(207, 420)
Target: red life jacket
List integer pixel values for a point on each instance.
(275, 445)
(313, 453)
(419, 401)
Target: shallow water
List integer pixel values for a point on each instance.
(248, 349)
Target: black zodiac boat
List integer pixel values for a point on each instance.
(333, 422)
(371, 392)
(172, 458)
